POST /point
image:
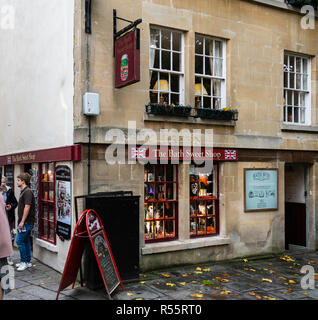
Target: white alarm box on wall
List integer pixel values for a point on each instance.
(91, 104)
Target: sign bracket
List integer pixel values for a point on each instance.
(133, 24)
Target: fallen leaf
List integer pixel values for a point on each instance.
(258, 296)
(182, 283)
(139, 299)
(269, 298)
(184, 275)
(198, 269)
(129, 294)
(207, 282)
(213, 295)
(306, 293)
(312, 262)
(251, 269)
(198, 272)
(283, 278)
(197, 295)
(194, 281)
(245, 260)
(165, 275)
(272, 271)
(225, 274)
(142, 282)
(267, 280)
(170, 284)
(292, 281)
(252, 293)
(206, 269)
(225, 292)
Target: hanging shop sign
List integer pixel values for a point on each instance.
(63, 202)
(260, 189)
(127, 59)
(89, 226)
(182, 154)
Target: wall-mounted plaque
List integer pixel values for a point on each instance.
(260, 189)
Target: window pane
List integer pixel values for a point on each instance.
(207, 102)
(298, 81)
(192, 226)
(292, 80)
(216, 103)
(302, 115)
(207, 87)
(199, 44)
(208, 66)
(148, 230)
(175, 83)
(170, 228)
(51, 212)
(218, 49)
(291, 64)
(298, 64)
(217, 67)
(200, 226)
(210, 225)
(289, 97)
(285, 80)
(154, 59)
(296, 95)
(199, 64)
(159, 211)
(290, 114)
(175, 99)
(176, 41)
(305, 82)
(169, 210)
(208, 47)
(159, 229)
(296, 115)
(217, 88)
(165, 39)
(305, 66)
(51, 231)
(176, 62)
(166, 60)
(154, 38)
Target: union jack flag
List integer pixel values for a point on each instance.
(230, 155)
(138, 153)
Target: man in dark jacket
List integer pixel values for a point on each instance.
(11, 203)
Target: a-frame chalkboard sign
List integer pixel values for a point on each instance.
(89, 226)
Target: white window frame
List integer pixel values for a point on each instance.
(167, 71)
(291, 92)
(202, 76)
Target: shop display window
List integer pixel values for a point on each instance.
(203, 201)
(161, 189)
(47, 216)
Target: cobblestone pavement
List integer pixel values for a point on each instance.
(276, 277)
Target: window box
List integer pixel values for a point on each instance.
(169, 110)
(217, 114)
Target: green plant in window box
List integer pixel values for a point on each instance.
(168, 109)
(217, 114)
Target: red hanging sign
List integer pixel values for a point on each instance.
(89, 226)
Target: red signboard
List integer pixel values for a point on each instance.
(182, 154)
(68, 153)
(89, 226)
(127, 59)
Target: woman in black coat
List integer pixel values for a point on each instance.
(10, 201)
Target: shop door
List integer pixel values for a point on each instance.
(295, 205)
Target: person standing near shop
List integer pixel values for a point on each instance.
(26, 217)
(10, 204)
(5, 243)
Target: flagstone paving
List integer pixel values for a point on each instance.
(275, 277)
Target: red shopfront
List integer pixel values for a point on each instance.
(42, 164)
(162, 192)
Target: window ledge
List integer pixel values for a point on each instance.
(185, 245)
(161, 118)
(299, 128)
(48, 246)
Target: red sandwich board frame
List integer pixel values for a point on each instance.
(89, 226)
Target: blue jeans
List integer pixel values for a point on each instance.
(24, 243)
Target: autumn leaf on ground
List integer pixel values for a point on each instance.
(165, 275)
(182, 283)
(198, 272)
(272, 271)
(267, 280)
(198, 269)
(207, 282)
(221, 280)
(196, 295)
(252, 293)
(312, 262)
(184, 275)
(129, 294)
(142, 282)
(139, 299)
(283, 278)
(251, 269)
(225, 274)
(225, 292)
(206, 269)
(170, 284)
(292, 281)
(194, 281)
(245, 260)
(269, 298)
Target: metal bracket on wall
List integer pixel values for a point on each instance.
(116, 34)
(88, 14)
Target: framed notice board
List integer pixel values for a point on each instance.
(260, 190)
